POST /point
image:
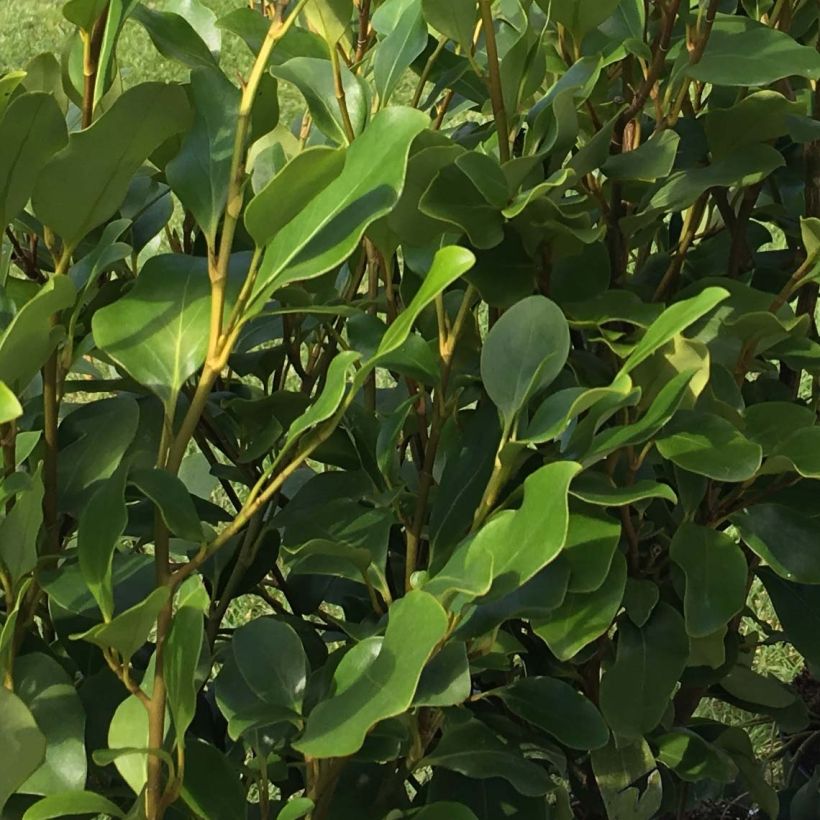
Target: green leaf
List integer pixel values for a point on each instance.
(64, 804)
(330, 227)
(96, 167)
(640, 599)
(102, 524)
(535, 599)
(756, 118)
(94, 438)
(129, 630)
(84, 13)
(747, 167)
(693, 759)
(592, 538)
(596, 488)
(338, 726)
(767, 421)
(9, 83)
(797, 610)
(32, 129)
(445, 811)
(716, 576)
(445, 680)
(636, 689)
(253, 695)
(469, 570)
(534, 534)
(29, 339)
(469, 194)
(284, 197)
(449, 264)
(23, 742)
(212, 787)
(404, 37)
(158, 331)
(524, 352)
(652, 160)
(174, 36)
(49, 693)
(784, 538)
(671, 322)
(798, 452)
(456, 20)
(329, 400)
(313, 76)
(742, 52)
(628, 779)
(330, 19)
(471, 748)
(580, 16)
(182, 652)
(296, 808)
(584, 616)
(172, 499)
(199, 174)
(19, 530)
(707, 444)
(559, 709)
(555, 414)
(271, 659)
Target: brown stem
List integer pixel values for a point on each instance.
(50, 461)
(494, 84)
(448, 342)
(739, 253)
(364, 30)
(425, 74)
(92, 43)
(693, 220)
(154, 790)
(660, 50)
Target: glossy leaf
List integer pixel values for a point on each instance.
(706, 444)
(455, 20)
(25, 744)
(585, 616)
(784, 539)
(199, 174)
(52, 700)
(404, 38)
(524, 353)
(337, 727)
(328, 229)
(636, 689)
(716, 577)
(158, 332)
(129, 630)
(559, 709)
(31, 130)
(69, 803)
(96, 167)
(743, 52)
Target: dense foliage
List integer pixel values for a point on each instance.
(415, 458)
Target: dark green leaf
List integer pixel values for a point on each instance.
(636, 689)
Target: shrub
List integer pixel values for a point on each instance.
(410, 460)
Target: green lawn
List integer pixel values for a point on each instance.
(34, 26)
